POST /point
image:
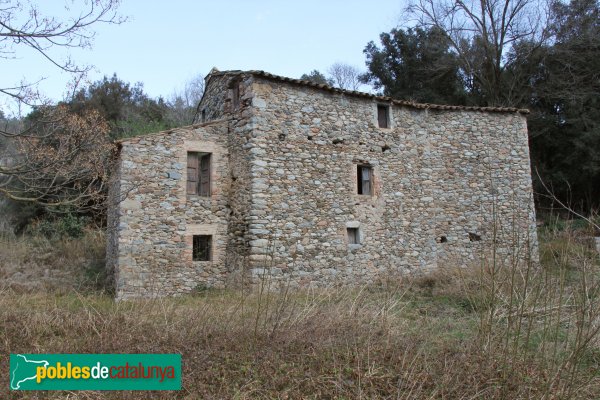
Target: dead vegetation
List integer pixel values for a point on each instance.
(58, 265)
(489, 332)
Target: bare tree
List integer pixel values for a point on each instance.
(345, 76)
(483, 33)
(64, 161)
(183, 104)
(22, 24)
(52, 159)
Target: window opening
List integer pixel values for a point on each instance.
(353, 236)
(383, 115)
(202, 248)
(364, 176)
(198, 173)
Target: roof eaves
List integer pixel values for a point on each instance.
(399, 102)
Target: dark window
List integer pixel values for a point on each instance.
(383, 116)
(201, 250)
(235, 95)
(353, 236)
(473, 237)
(203, 115)
(364, 178)
(198, 174)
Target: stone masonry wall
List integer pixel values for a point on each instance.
(439, 175)
(216, 100)
(157, 219)
(112, 223)
(448, 186)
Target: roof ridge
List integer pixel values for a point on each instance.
(406, 103)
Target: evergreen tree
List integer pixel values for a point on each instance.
(316, 77)
(565, 123)
(126, 107)
(415, 64)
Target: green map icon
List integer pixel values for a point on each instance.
(95, 371)
(23, 369)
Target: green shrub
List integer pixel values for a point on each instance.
(58, 226)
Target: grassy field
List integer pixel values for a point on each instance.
(489, 332)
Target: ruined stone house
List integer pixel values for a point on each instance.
(313, 185)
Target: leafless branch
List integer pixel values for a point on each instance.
(566, 207)
(345, 76)
(67, 164)
(482, 32)
(23, 25)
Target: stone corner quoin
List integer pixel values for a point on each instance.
(308, 185)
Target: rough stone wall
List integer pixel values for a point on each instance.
(112, 223)
(481, 185)
(285, 191)
(241, 130)
(216, 100)
(157, 219)
(436, 173)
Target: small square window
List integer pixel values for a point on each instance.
(383, 115)
(201, 250)
(198, 173)
(353, 236)
(364, 179)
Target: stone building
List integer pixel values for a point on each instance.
(308, 185)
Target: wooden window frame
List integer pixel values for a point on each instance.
(202, 248)
(383, 116)
(364, 180)
(199, 166)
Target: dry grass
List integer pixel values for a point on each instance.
(453, 334)
(30, 264)
(326, 344)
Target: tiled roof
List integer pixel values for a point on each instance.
(422, 106)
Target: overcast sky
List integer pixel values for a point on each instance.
(165, 43)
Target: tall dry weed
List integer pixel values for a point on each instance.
(490, 331)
